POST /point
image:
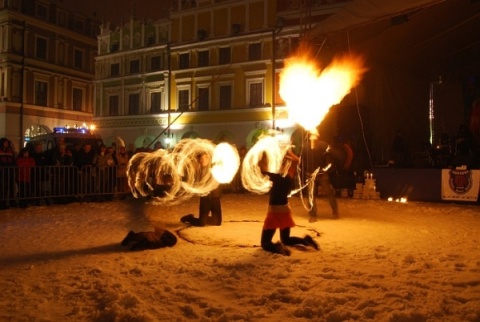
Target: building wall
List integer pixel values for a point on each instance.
(196, 27)
(26, 28)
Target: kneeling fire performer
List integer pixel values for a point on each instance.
(279, 214)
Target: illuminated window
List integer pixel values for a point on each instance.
(225, 97)
(150, 39)
(203, 99)
(224, 56)
(203, 58)
(41, 91)
(115, 69)
(156, 63)
(134, 104)
(78, 59)
(77, 96)
(184, 61)
(254, 51)
(113, 105)
(41, 48)
(114, 46)
(134, 66)
(155, 102)
(255, 93)
(183, 100)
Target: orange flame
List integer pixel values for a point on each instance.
(309, 93)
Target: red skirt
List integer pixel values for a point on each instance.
(278, 217)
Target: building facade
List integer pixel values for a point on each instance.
(46, 68)
(210, 70)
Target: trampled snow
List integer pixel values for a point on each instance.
(381, 261)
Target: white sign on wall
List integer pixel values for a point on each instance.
(460, 184)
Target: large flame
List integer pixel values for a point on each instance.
(309, 93)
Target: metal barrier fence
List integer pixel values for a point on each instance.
(60, 184)
(23, 185)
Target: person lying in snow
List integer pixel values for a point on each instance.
(149, 239)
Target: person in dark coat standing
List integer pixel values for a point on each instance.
(316, 157)
(400, 152)
(25, 164)
(41, 175)
(64, 174)
(84, 161)
(7, 174)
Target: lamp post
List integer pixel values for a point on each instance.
(169, 87)
(273, 76)
(278, 27)
(22, 85)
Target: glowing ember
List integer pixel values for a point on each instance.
(309, 93)
(399, 200)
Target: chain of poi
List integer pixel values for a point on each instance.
(180, 171)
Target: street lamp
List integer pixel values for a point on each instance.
(277, 29)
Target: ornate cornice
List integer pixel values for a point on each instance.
(131, 122)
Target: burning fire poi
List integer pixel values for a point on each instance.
(180, 170)
(269, 147)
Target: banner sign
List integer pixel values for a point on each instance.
(460, 184)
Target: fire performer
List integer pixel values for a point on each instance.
(309, 93)
(279, 214)
(209, 203)
(316, 156)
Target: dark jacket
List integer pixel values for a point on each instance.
(7, 157)
(83, 159)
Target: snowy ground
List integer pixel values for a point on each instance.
(381, 261)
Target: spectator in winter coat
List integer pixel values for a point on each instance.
(122, 159)
(316, 158)
(83, 160)
(41, 174)
(7, 174)
(105, 168)
(25, 164)
(64, 174)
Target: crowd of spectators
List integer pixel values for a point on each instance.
(67, 174)
(63, 174)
